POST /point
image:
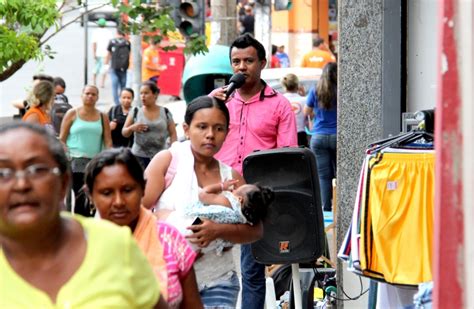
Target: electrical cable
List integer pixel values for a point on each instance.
(349, 298)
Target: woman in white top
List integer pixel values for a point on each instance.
(292, 92)
(174, 178)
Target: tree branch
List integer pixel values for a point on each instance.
(75, 8)
(63, 3)
(41, 43)
(11, 70)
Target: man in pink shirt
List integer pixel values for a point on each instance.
(260, 119)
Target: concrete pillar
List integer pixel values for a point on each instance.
(263, 22)
(422, 54)
(369, 54)
(359, 108)
(224, 22)
(136, 42)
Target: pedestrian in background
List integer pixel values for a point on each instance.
(119, 54)
(283, 57)
(60, 89)
(53, 260)
(319, 56)
(61, 104)
(291, 85)
(151, 63)
(117, 115)
(261, 119)
(85, 131)
(247, 21)
(22, 105)
(151, 127)
(240, 8)
(100, 41)
(274, 61)
(40, 103)
(321, 106)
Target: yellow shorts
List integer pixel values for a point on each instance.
(397, 224)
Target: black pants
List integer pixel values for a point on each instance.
(81, 205)
(302, 139)
(144, 161)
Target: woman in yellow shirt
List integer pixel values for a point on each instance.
(53, 260)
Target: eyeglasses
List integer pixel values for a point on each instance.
(32, 172)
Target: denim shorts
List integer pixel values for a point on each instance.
(222, 294)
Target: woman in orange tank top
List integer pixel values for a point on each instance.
(40, 104)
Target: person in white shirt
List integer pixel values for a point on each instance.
(292, 92)
(100, 41)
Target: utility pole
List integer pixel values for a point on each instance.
(224, 22)
(85, 19)
(263, 24)
(136, 43)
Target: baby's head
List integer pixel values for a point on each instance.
(255, 200)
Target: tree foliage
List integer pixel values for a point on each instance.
(24, 26)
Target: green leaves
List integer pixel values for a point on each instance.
(156, 23)
(15, 47)
(23, 24)
(34, 15)
(196, 45)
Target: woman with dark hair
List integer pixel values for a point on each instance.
(151, 127)
(50, 259)
(115, 184)
(274, 61)
(174, 179)
(321, 106)
(117, 115)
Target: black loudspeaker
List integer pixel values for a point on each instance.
(294, 225)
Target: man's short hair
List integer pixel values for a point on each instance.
(317, 42)
(58, 81)
(247, 40)
(121, 29)
(49, 78)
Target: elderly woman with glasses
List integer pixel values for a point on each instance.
(50, 259)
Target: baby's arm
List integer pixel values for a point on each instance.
(213, 199)
(210, 195)
(221, 186)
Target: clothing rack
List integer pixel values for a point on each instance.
(395, 199)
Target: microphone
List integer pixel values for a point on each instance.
(235, 82)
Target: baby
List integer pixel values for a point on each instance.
(220, 203)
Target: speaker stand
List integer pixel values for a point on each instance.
(295, 274)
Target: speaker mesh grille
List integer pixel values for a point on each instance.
(290, 221)
(293, 228)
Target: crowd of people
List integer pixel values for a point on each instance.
(142, 246)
